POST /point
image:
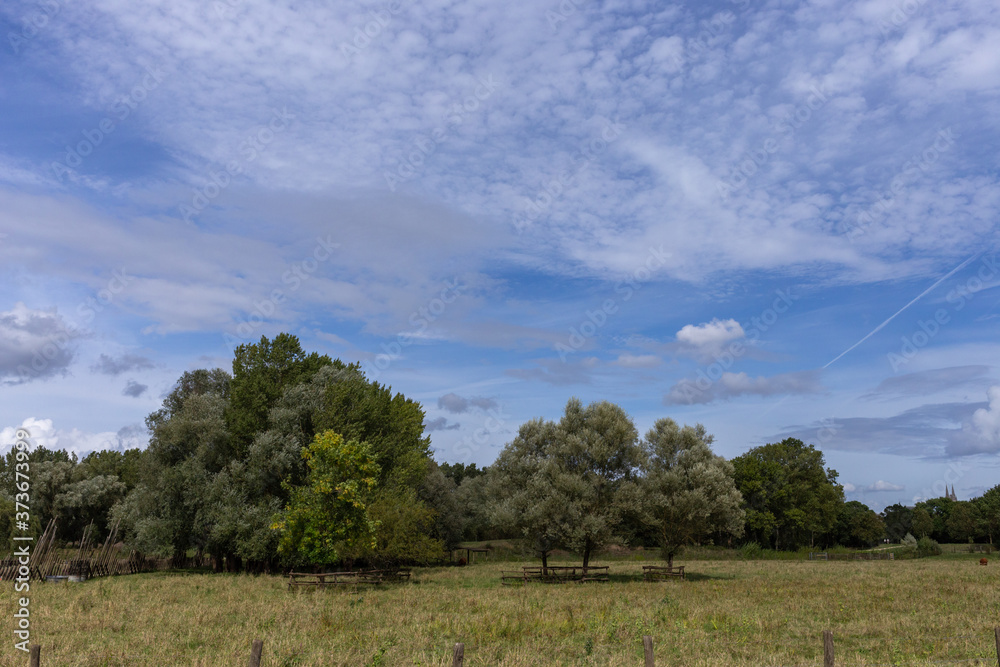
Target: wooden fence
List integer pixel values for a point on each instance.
(458, 653)
(858, 555)
(88, 560)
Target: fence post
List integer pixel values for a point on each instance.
(35, 656)
(996, 633)
(647, 648)
(827, 649)
(255, 650)
(459, 658)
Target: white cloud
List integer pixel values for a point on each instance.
(707, 339)
(638, 360)
(882, 485)
(43, 433)
(981, 433)
(731, 385)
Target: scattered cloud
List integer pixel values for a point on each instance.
(554, 371)
(34, 344)
(731, 385)
(456, 404)
(134, 389)
(882, 485)
(927, 431)
(923, 383)
(638, 360)
(440, 424)
(108, 365)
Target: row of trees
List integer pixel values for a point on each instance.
(296, 458)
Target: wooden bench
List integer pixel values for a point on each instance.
(554, 574)
(323, 579)
(658, 573)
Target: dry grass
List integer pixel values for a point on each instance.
(727, 613)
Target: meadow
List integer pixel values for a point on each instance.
(727, 612)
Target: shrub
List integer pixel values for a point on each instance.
(750, 551)
(928, 547)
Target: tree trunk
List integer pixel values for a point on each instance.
(670, 560)
(545, 563)
(586, 556)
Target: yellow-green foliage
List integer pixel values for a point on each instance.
(727, 613)
(331, 508)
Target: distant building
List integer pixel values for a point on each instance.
(951, 495)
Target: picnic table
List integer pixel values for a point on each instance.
(323, 579)
(554, 574)
(659, 573)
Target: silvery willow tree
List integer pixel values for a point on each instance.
(569, 484)
(688, 493)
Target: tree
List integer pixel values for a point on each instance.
(898, 520)
(790, 497)
(167, 512)
(520, 496)
(261, 373)
(923, 523)
(961, 522)
(570, 483)
(988, 511)
(439, 493)
(392, 425)
(858, 525)
(330, 512)
(939, 510)
(688, 492)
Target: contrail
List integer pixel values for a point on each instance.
(918, 298)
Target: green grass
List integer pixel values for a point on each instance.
(729, 612)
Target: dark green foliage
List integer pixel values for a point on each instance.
(858, 526)
(458, 472)
(790, 498)
(261, 373)
(898, 520)
(392, 425)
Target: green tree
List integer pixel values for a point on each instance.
(330, 512)
(167, 512)
(898, 520)
(688, 492)
(961, 522)
(518, 489)
(261, 373)
(939, 510)
(392, 425)
(858, 525)
(923, 523)
(988, 511)
(790, 497)
(571, 483)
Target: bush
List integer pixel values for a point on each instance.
(750, 551)
(928, 547)
(909, 541)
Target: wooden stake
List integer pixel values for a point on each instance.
(459, 658)
(647, 648)
(35, 656)
(996, 633)
(255, 651)
(827, 649)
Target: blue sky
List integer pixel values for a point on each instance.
(774, 218)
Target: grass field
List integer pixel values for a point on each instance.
(731, 612)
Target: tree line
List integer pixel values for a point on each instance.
(298, 459)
